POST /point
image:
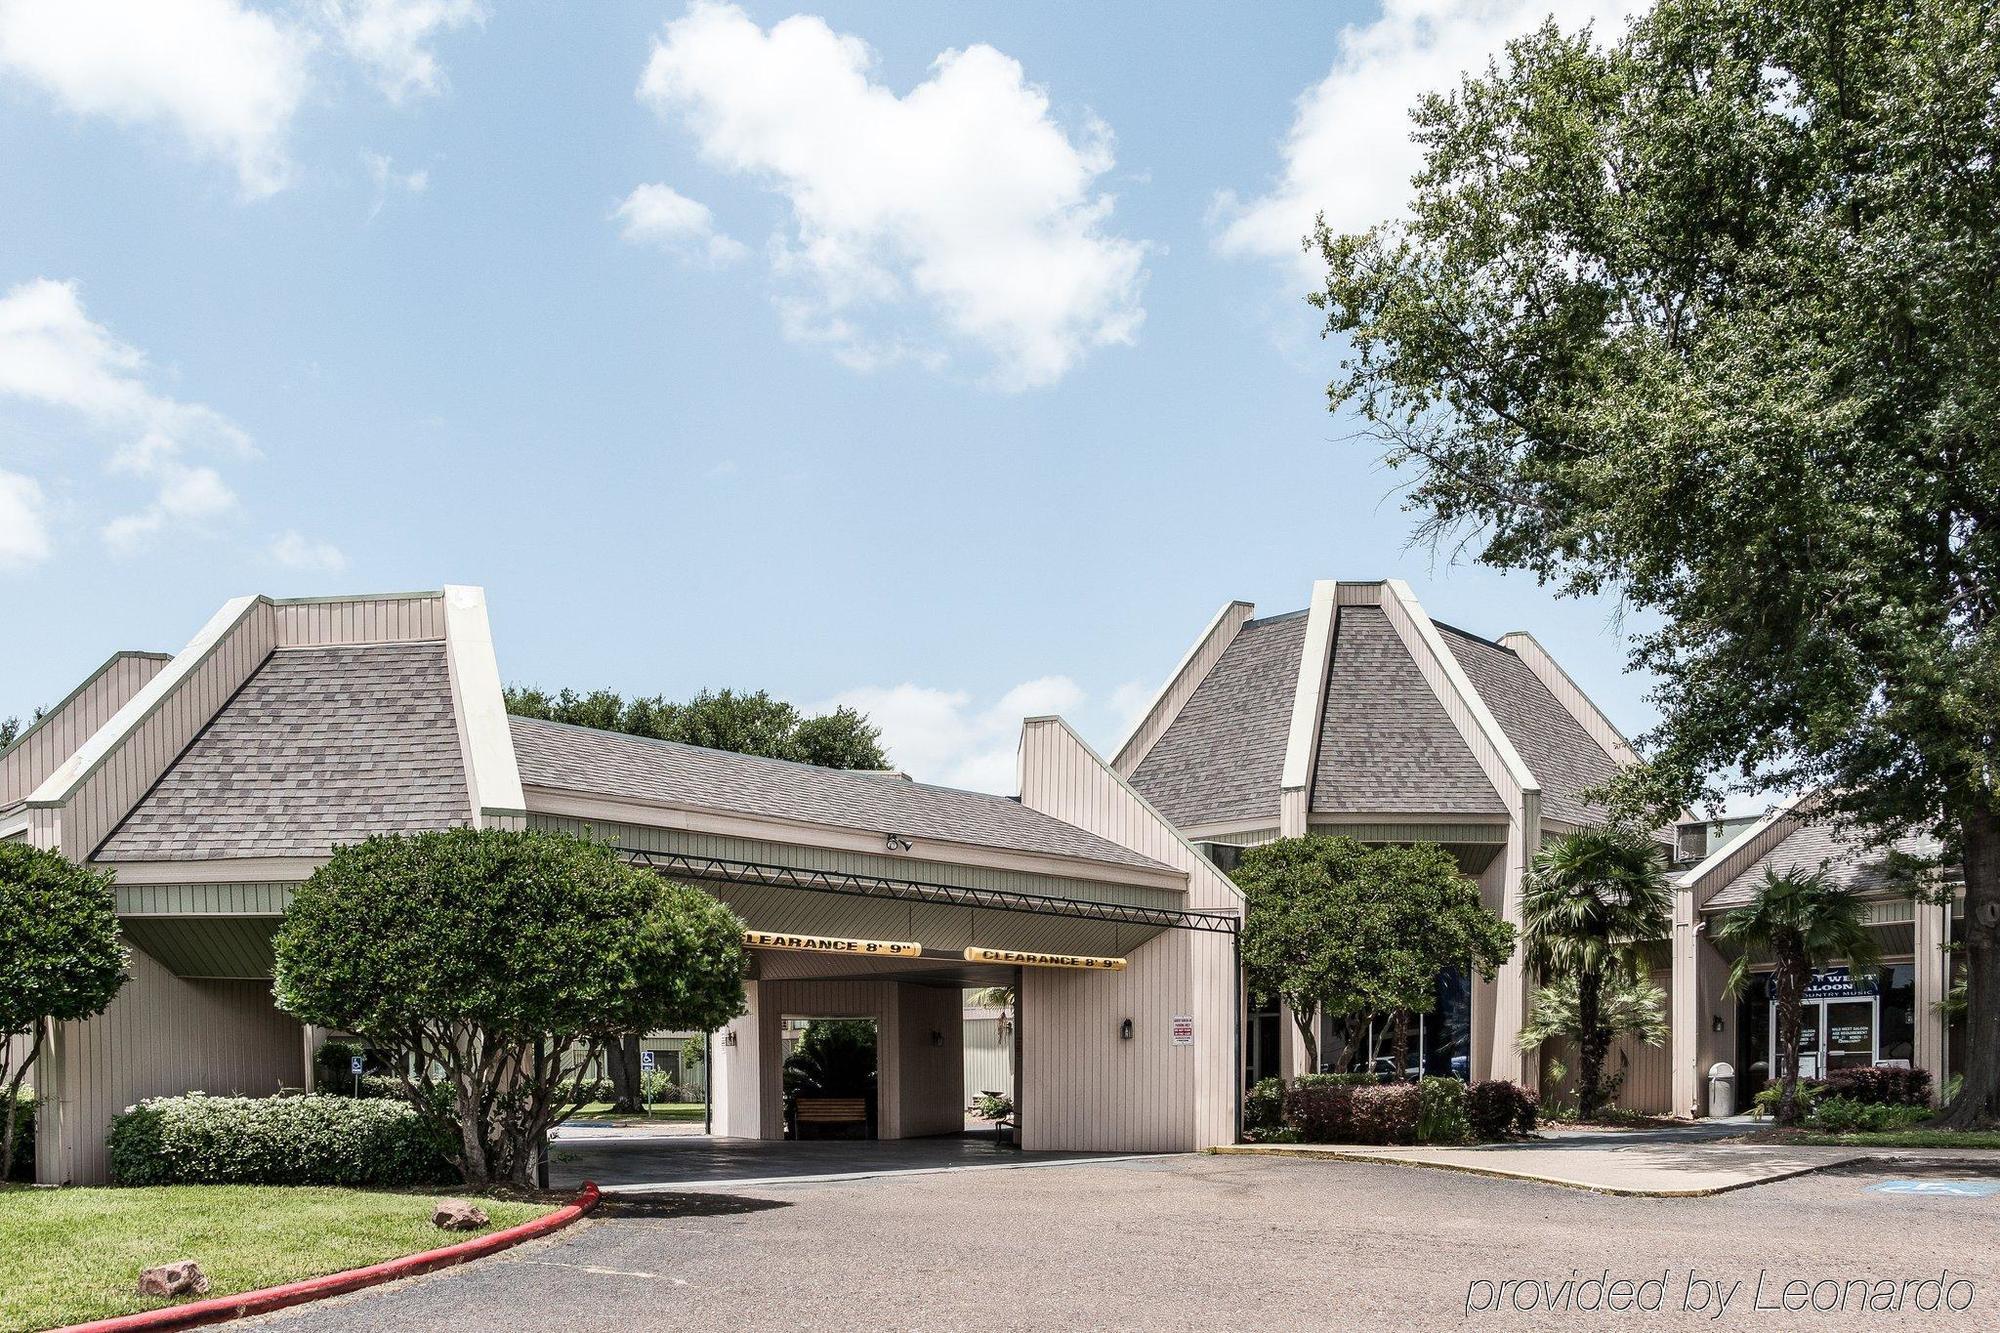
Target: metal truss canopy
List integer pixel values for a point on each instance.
(908, 890)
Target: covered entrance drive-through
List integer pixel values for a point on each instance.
(898, 955)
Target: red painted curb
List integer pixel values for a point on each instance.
(220, 1308)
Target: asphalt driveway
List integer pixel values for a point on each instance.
(1225, 1242)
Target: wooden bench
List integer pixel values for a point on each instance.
(826, 1111)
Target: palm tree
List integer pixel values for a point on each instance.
(1594, 900)
(1800, 920)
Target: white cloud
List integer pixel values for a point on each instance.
(24, 533)
(958, 213)
(294, 550)
(387, 180)
(941, 736)
(54, 356)
(1348, 152)
(391, 38)
(227, 77)
(660, 215)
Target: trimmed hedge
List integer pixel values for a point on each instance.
(1881, 1085)
(1498, 1109)
(313, 1140)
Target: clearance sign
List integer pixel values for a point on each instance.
(1016, 958)
(769, 939)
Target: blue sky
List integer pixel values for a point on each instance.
(950, 360)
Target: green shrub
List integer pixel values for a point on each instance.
(1441, 1111)
(1832, 1114)
(659, 1086)
(314, 1140)
(1765, 1103)
(23, 1167)
(1264, 1110)
(1497, 1109)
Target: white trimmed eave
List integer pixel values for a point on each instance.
(1397, 594)
(73, 772)
(486, 738)
(834, 838)
(1721, 857)
(15, 820)
(1180, 685)
(232, 870)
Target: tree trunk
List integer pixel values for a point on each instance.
(1790, 980)
(10, 1104)
(622, 1062)
(1591, 1046)
(1978, 1102)
(1306, 1025)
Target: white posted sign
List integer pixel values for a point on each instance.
(1183, 1029)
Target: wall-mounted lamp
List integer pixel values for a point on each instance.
(1715, 1022)
(728, 1037)
(895, 843)
(1125, 1029)
(937, 1038)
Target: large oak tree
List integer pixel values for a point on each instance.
(1703, 316)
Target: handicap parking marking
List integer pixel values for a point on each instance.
(1951, 1189)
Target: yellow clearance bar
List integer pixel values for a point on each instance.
(771, 939)
(1016, 958)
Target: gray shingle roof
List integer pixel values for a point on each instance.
(320, 746)
(1849, 863)
(1386, 745)
(605, 763)
(1224, 755)
(1554, 745)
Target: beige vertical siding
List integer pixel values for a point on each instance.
(1180, 686)
(392, 618)
(989, 1057)
(62, 731)
(930, 1077)
(1081, 1085)
(164, 1036)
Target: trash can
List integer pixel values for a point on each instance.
(1721, 1091)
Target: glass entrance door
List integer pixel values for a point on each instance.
(1833, 1034)
(1850, 1034)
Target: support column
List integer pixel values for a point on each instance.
(1684, 1013)
(736, 1073)
(1932, 964)
(1510, 991)
(313, 1037)
(52, 1159)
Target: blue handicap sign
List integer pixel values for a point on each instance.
(646, 1061)
(353, 1064)
(1950, 1189)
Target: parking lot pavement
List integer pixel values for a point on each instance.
(1214, 1241)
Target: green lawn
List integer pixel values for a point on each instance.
(74, 1254)
(1892, 1138)
(677, 1111)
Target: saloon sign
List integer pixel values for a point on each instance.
(770, 939)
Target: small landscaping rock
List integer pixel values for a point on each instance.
(458, 1215)
(183, 1277)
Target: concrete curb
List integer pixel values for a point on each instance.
(267, 1299)
(1532, 1177)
